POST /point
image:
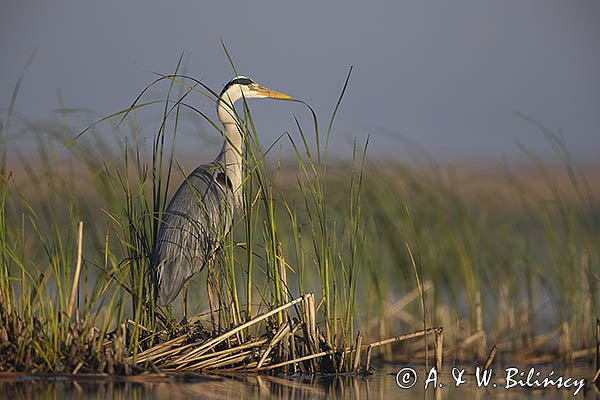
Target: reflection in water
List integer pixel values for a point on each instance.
(379, 386)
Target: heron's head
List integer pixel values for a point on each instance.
(242, 86)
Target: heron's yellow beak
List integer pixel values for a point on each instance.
(273, 94)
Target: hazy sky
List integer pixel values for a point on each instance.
(449, 75)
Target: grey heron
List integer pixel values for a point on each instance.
(200, 212)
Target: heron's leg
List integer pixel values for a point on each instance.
(184, 321)
(211, 283)
(185, 301)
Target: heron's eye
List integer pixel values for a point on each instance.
(253, 86)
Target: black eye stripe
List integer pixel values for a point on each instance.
(224, 180)
(237, 81)
(241, 81)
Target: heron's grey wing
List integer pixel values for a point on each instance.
(196, 219)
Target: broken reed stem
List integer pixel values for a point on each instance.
(368, 363)
(596, 376)
(584, 353)
(439, 348)
(313, 320)
(437, 331)
(77, 271)
(565, 340)
(311, 330)
(407, 336)
(284, 329)
(490, 357)
(357, 346)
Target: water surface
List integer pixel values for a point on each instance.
(381, 385)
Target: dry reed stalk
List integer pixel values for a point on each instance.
(213, 342)
(368, 362)
(248, 367)
(437, 393)
(293, 349)
(253, 367)
(357, 347)
(174, 356)
(220, 362)
(396, 308)
(565, 348)
(596, 376)
(77, 368)
(401, 338)
(340, 366)
(306, 314)
(409, 319)
(310, 339)
(308, 347)
(537, 342)
(284, 329)
(77, 271)
(163, 350)
(160, 350)
(490, 357)
(314, 340)
(583, 353)
(207, 358)
(313, 320)
(460, 347)
(543, 359)
(439, 349)
(470, 340)
(404, 337)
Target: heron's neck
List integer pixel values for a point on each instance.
(233, 146)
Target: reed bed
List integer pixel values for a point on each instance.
(422, 260)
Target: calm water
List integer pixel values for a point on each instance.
(382, 385)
